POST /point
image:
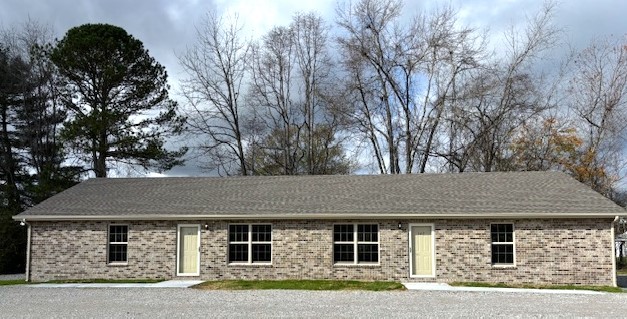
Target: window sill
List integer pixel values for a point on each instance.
(503, 266)
(249, 265)
(117, 264)
(339, 265)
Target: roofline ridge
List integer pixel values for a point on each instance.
(329, 175)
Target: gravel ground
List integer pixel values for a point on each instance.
(32, 302)
(12, 277)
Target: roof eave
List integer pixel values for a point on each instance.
(311, 216)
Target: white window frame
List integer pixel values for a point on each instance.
(411, 250)
(513, 243)
(178, 251)
(250, 243)
(356, 244)
(109, 243)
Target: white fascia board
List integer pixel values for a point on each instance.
(310, 216)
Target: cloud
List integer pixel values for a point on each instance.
(167, 26)
(259, 16)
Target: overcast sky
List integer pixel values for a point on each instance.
(167, 26)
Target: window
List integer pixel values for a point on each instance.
(118, 243)
(502, 244)
(250, 244)
(356, 244)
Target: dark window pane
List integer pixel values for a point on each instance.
(495, 254)
(242, 232)
(117, 253)
(232, 232)
(375, 232)
(367, 253)
(361, 232)
(238, 233)
(118, 233)
(367, 233)
(238, 253)
(502, 233)
(343, 253)
(502, 253)
(262, 233)
(262, 253)
(343, 233)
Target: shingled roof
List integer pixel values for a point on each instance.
(466, 195)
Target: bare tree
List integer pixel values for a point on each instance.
(598, 97)
(216, 69)
(271, 92)
(293, 93)
(313, 69)
(403, 77)
(546, 144)
(499, 97)
(366, 47)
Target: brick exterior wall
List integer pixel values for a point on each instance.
(548, 251)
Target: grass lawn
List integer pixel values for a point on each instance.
(13, 282)
(564, 287)
(104, 281)
(300, 285)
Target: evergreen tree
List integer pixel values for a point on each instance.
(13, 75)
(117, 98)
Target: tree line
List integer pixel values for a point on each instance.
(376, 90)
(72, 108)
(386, 92)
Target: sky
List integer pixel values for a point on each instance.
(166, 27)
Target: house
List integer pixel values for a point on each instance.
(518, 227)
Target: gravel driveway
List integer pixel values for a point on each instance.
(12, 277)
(22, 301)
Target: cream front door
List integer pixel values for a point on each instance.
(421, 244)
(188, 250)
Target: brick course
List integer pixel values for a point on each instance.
(548, 251)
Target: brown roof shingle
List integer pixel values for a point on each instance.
(446, 195)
